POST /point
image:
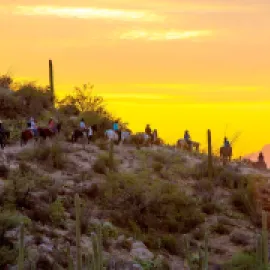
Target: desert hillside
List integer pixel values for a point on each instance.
(143, 200)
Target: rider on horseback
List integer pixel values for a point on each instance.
(261, 157)
(83, 128)
(32, 126)
(226, 142)
(82, 125)
(187, 137)
(117, 130)
(52, 125)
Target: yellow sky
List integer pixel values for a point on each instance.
(174, 64)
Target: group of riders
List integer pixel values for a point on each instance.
(32, 126)
(89, 131)
(53, 126)
(188, 140)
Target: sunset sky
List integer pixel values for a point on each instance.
(174, 64)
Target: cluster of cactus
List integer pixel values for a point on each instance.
(202, 262)
(94, 261)
(262, 261)
(262, 245)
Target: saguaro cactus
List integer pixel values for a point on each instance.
(210, 159)
(51, 81)
(97, 258)
(111, 159)
(265, 240)
(205, 257)
(21, 249)
(70, 262)
(78, 231)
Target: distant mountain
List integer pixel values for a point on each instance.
(266, 152)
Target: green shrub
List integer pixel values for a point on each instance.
(244, 201)
(169, 243)
(21, 182)
(57, 212)
(241, 261)
(103, 164)
(7, 256)
(150, 203)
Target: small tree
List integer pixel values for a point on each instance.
(5, 81)
(84, 99)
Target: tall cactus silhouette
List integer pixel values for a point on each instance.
(51, 78)
(265, 240)
(205, 255)
(70, 261)
(111, 156)
(262, 245)
(210, 159)
(78, 231)
(97, 258)
(21, 249)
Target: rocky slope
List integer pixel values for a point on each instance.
(145, 201)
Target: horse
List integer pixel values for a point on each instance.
(125, 136)
(27, 135)
(158, 141)
(42, 132)
(4, 137)
(112, 135)
(225, 153)
(182, 144)
(78, 133)
(259, 165)
(141, 138)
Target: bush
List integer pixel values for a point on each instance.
(103, 164)
(53, 156)
(21, 182)
(150, 203)
(4, 171)
(11, 106)
(169, 243)
(7, 256)
(57, 212)
(10, 220)
(241, 261)
(69, 110)
(244, 201)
